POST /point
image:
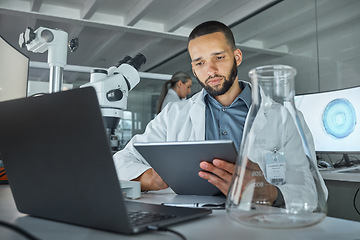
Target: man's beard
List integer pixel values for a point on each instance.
(215, 91)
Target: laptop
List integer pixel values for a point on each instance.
(178, 163)
(59, 165)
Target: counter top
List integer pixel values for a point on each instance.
(215, 226)
(346, 176)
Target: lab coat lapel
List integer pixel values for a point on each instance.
(197, 116)
(260, 119)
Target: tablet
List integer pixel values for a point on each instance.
(178, 162)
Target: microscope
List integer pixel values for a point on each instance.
(112, 87)
(55, 41)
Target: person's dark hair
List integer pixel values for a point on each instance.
(213, 27)
(178, 76)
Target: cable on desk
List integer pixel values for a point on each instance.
(18, 230)
(355, 201)
(164, 229)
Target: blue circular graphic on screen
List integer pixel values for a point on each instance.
(339, 118)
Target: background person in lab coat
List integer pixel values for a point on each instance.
(180, 86)
(218, 111)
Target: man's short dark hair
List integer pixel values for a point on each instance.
(213, 27)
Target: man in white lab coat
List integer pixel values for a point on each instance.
(214, 60)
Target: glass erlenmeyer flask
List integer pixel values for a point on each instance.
(276, 182)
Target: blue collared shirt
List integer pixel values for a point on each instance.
(227, 122)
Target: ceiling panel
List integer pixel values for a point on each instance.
(108, 30)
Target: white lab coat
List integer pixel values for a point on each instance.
(180, 121)
(171, 96)
(274, 127)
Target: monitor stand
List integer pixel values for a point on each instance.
(348, 167)
(347, 160)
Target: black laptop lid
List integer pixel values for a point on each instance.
(59, 164)
(51, 137)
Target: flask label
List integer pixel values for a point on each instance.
(275, 168)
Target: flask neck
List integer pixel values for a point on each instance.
(277, 82)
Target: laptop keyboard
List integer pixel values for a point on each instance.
(141, 217)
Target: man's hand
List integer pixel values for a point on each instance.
(254, 177)
(219, 173)
(222, 173)
(151, 181)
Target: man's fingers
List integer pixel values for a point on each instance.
(222, 185)
(220, 168)
(219, 174)
(227, 166)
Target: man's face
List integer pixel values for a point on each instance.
(214, 63)
(221, 88)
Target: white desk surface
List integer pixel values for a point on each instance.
(215, 226)
(341, 176)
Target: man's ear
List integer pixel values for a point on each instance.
(238, 56)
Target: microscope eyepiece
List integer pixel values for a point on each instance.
(124, 60)
(137, 61)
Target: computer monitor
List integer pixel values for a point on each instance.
(334, 120)
(14, 71)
